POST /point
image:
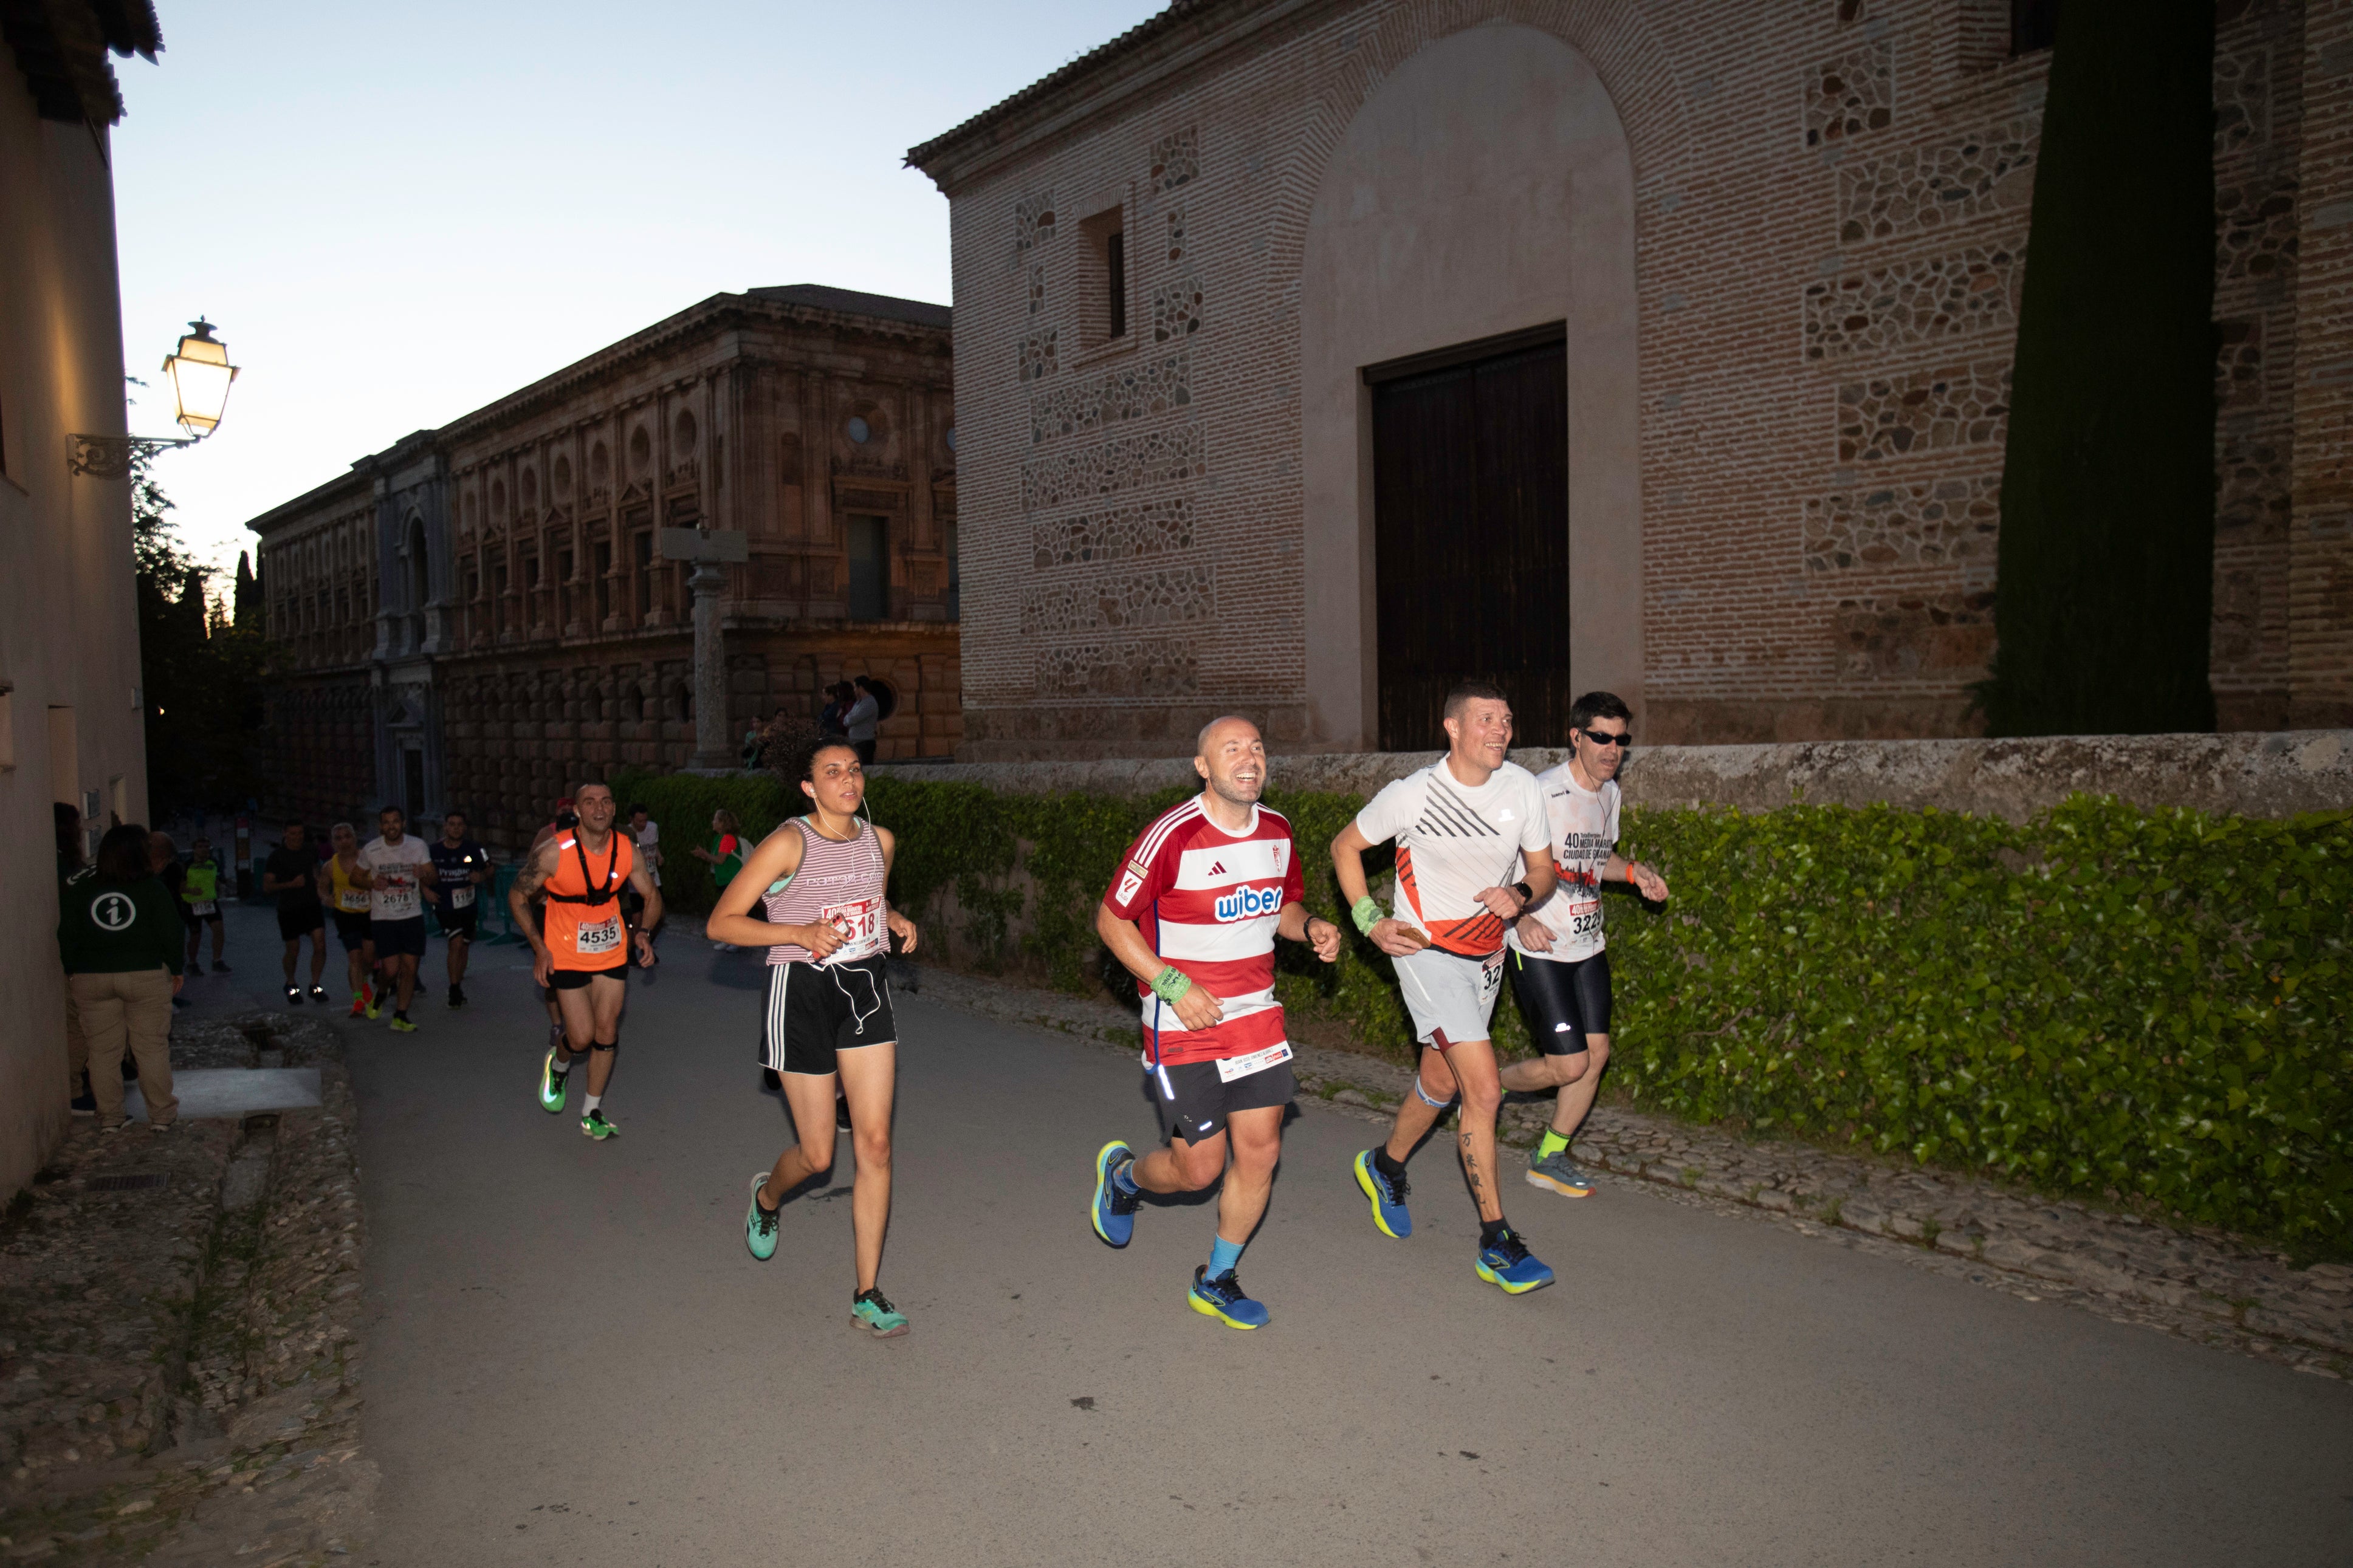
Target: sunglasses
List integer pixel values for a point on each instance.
(1601, 738)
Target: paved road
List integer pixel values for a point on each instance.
(573, 1360)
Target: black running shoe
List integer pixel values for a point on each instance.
(319, 995)
(219, 968)
(457, 995)
(84, 1103)
(293, 995)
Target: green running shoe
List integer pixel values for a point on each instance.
(553, 1086)
(595, 1125)
(760, 1225)
(401, 1025)
(870, 1310)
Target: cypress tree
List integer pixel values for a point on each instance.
(2106, 560)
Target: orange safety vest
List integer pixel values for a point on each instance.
(583, 926)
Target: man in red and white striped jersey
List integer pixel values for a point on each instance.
(1198, 902)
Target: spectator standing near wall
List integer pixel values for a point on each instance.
(121, 939)
(829, 719)
(724, 856)
(862, 718)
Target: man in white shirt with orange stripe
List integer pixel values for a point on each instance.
(1199, 900)
(1474, 854)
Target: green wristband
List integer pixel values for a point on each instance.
(1171, 984)
(1367, 912)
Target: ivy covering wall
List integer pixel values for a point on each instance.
(2105, 999)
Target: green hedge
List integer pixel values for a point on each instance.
(2102, 1000)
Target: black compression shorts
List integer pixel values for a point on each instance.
(295, 923)
(351, 927)
(578, 979)
(1562, 1000)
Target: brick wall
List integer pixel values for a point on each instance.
(1832, 199)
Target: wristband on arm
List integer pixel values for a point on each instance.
(1170, 984)
(1367, 912)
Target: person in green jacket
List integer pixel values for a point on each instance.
(121, 938)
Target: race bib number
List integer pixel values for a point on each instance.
(595, 941)
(461, 897)
(399, 896)
(860, 925)
(205, 908)
(353, 901)
(1232, 1067)
(1491, 974)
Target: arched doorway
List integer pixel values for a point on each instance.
(1469, 394)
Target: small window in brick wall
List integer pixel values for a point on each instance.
(2034, 24)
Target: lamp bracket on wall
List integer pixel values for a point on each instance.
(111, 456)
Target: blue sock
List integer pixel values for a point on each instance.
(1123, 1177)
(1223, 1255)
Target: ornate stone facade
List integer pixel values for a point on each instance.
(482, 614)
(1786, 434)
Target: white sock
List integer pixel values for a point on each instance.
(591, 1103)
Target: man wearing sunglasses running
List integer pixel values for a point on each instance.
(1560, 960)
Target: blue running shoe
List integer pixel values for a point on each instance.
(1508, 1264)
(1222, 1299)
(1114, 1210)
(1389, 1197)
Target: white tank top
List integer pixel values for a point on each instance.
(840, 881)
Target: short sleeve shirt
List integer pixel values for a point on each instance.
(399, 871)
(1207, 903)
(454, 866)
(649, 842)
(1583, 825)
(1453, 842)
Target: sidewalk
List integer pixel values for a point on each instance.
(179, 1370)
(2199, 1284)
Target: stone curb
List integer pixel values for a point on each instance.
(2202, 1285)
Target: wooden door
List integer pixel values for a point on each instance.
(1470, 542)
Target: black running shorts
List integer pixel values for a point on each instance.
(1194, 1102)
(351, 928)
(817, 1010)
(1562, 1000)
(300, 921)
(456, 922)
(398, 939)
(578, 979)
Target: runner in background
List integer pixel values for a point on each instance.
(724, 855)
(291, 876)
(395, 869)
(1474, 854)
(582, 947)
(1560, 959)
(1193, 914)
(200, 886)
(165, 856)
(460, 866)
(827, 923)
(345, 893)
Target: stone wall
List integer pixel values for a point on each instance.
(2270, 775)
(1828, 220)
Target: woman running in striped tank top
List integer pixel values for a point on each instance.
(821, 881)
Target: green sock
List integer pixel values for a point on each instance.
(1553, 1143)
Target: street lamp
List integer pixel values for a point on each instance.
(201, 376)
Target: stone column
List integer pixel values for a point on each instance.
(714, 746)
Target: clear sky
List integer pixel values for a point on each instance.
(395, 214)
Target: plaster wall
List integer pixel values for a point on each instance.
(1484, 188)
(70, 725)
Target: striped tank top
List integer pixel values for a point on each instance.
(840, 882)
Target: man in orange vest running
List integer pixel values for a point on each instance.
(582, 945)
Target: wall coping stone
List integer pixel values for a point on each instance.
(2251, 773)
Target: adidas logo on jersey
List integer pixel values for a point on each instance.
(1247, 903)
(1216, 867)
